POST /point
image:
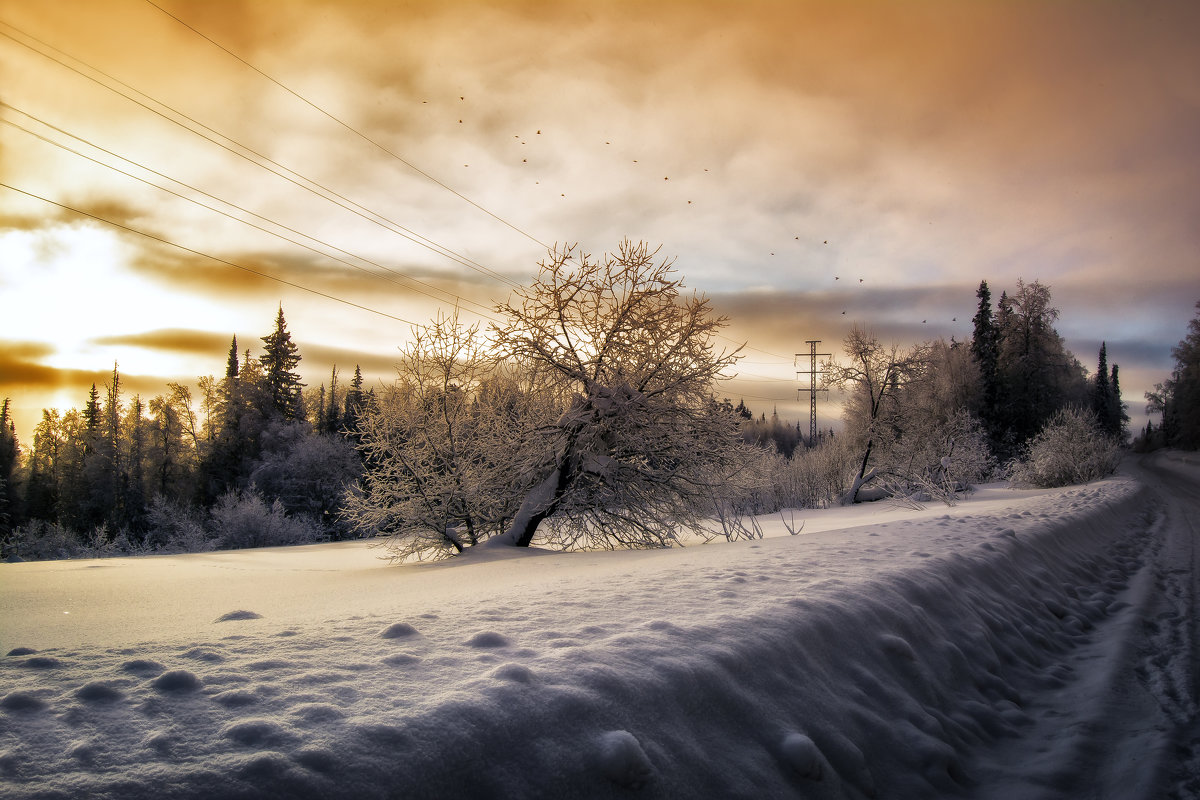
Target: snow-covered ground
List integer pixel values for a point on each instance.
(1021, 644)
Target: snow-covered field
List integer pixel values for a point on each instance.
(1021, 644)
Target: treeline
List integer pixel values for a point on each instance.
(927, 421)
(254, 459)
(1177, 399)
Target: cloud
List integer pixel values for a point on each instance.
(180, 340)
(381, 366)
(24, 370)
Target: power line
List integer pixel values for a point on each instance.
(457, 298)
(351, 128)
(304, 182)
(219, 260)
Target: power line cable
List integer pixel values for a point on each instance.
(308, 183)
(350, 128)
(219, 260)
(299, 180)
(455, 297)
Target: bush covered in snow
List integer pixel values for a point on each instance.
(175, 528)
(245, 520)
(1070, 449)
(38, 540)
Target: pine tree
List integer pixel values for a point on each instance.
(9, 458)
(354, 402)
(1038, 375)
(91, 417)
(231, 363)
(279, 361)
(1102, 403)
(1120, 415)
(985, 348)
(331, 417)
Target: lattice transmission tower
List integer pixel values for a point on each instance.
(812, 387)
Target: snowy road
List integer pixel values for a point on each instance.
(1023, 644)
(1120, 722)
(1174, 653)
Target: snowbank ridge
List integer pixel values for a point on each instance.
(863, 664)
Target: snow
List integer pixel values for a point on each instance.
(883, 652)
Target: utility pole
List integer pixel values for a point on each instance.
(812, 387)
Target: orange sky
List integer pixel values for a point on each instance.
(769, 146)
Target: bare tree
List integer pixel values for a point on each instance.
(638, 444)
(437, 446)
(876, 376)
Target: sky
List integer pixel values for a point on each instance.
(174, 172)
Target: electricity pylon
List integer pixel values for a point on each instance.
(812, 387)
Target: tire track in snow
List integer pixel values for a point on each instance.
(1121, 723)
(1175, 657)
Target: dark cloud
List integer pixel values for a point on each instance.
(14, 351)
(20, 222)
(110, 209)
(179, 340)
(318, 361)
(19, 372)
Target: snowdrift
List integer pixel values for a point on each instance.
(864, 661)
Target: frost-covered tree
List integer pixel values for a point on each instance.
(1039, 374)
(876, 375)
(355, 400)
(279, 360)
(1069, 449)
(440, 446)
(638, 445)
(985, 349)
(10, 452)
(1178, 398)
(306, 471)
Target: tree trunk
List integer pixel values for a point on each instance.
(538, 504)
(863, 476)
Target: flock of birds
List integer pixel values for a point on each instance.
(538, 132)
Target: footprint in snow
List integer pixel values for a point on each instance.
(144, 667)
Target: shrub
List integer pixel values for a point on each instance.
(244, 520)
(175, 528)
(816, 477)
(1070, 449)
(42, 541)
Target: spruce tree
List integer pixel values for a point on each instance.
(354, 402)
(91, 418)
(332, 418)
(279, 360)
(231, 363)
(985, 348)
(1120, 415)
(9, 452)
(1101, 393)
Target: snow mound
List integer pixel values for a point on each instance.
(622, 759)
(867, 660)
